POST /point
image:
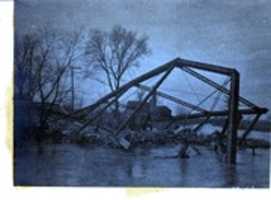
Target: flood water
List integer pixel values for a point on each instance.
(75, 165)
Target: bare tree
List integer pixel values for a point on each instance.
(114, 53)
(42, 60)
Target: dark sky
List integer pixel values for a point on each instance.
(226, 32)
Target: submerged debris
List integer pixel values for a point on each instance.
(128, 139)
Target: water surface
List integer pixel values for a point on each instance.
(75, 165)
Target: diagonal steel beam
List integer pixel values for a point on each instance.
(155, 87)
(130, 84)
(98, 115)
(215, 85)
(198, 127)
(251, 126)
(206, 67)
(219, 114)
(172, 98)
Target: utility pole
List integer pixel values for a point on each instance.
(72, 85)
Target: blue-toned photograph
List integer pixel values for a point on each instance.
(142, 93)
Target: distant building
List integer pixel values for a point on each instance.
(132, 105)
(155, 112)
(161, 113)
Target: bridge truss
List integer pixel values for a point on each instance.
(232, 113)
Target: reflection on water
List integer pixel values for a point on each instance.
(73, 165)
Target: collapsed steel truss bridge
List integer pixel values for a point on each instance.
(232, 113)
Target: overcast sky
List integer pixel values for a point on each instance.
(226, 32)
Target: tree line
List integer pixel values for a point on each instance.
(45, 57)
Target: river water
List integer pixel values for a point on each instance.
(75, 165)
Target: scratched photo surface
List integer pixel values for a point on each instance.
(149, 93)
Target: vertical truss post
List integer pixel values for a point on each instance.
(153, 90)
(233, 118)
